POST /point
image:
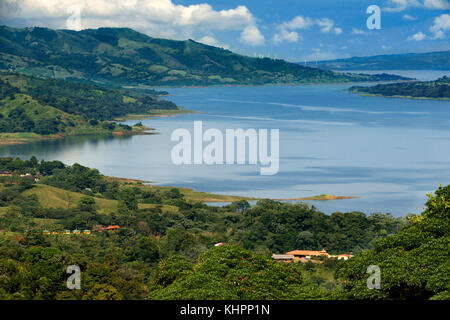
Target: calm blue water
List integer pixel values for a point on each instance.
(389, 152)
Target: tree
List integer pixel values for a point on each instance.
(103, 292)
(127, 197)
(86, 204)
(414, 263)
(230, 272)
(173, 193)
(171, 269)
(241, 206)
(148, 249)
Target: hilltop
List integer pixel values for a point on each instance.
(439, 60)
(119, 56)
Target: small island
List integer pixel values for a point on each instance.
(437, 89)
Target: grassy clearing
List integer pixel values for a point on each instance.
(197, 196)
(189, 194)
(23, 137)
(322, 197)
(51, 197)
(28, 137)
(155, 113)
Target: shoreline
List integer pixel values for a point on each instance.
(18, 138)
(162, 113)
(294, 84)
(362, 94)
(207, 197)
(190, 194)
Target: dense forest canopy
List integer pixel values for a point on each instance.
(165, 244)
(414, 263)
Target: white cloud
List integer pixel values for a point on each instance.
(319, 54)
(155, 17)
(325, 25)
(287, 29)
(338, 30)
(400, 5)
(439, 29)
(297, 23)
(408, 17)
(441, 26)
(252, 36)
(358, 31)
(419, 36)
(437, 4)
(209, 40)
(284, 35)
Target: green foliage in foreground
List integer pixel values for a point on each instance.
(230, 272)
(438, 89)
(415, 263)
(170, 254)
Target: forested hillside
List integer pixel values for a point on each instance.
(123, 56)
(438, 89)
(48, 106)
(161, 229)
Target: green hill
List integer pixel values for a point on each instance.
(124, 56)
(47, 106)
(409, 61)
(438, 89)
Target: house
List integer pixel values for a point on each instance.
(283, 257)
(5, 173)
(307, 255)
(344, 256)
(110, 228)
(23, 175)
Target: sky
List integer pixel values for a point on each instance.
(295, 30)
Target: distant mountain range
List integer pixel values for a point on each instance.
(439, 60)
(124, 56)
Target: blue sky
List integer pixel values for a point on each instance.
(290, 29)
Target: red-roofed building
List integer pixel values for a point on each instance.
(344, 256)
(306, 255)
(110, 228)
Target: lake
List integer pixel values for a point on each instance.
(388, 152)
